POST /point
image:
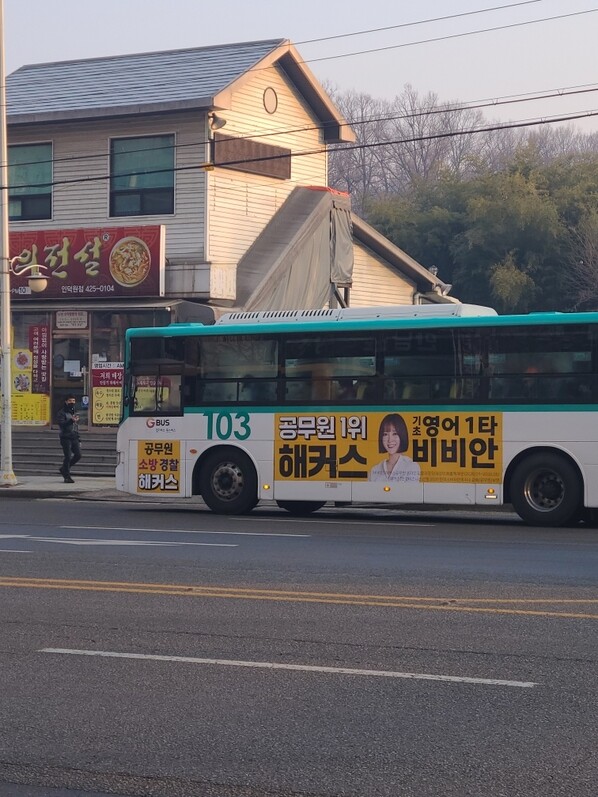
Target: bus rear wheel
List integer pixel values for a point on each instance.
(228, 482)
(301, 508)
(546, 490)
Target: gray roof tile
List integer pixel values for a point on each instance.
(170, 79)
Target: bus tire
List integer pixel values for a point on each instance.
(301, 508)
(546, 490)
(228, 482)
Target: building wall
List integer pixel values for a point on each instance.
(81, 153)
(376, 283)
(240, 204)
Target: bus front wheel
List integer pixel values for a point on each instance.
(228, 482)
(301, 508)
(546, 490)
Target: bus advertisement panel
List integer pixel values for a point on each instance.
(393, 447)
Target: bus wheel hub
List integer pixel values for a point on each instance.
(227, 481)
(547, 491)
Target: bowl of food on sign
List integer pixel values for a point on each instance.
(22, 360)
(22, 383)
(130, 262)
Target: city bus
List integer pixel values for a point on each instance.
(448, 404)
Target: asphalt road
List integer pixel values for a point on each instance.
(167, 651)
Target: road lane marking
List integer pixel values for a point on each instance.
(12, 550)
(270, 665)
(381, 601)
(186, 531)
(91, 541)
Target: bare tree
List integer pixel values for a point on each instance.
(358, 169)
(416, 156)
(416, 139)
(463, 152)
(582, 273)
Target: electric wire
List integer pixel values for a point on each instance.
(417, 22)
(440, 109)
(341, 148)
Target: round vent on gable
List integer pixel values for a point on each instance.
(270, 100)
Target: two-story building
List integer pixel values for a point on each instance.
(167, 186)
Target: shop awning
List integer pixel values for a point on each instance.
(181, 310)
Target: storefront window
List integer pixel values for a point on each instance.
(52, 356)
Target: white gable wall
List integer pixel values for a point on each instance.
(240, 204)
(376, 283)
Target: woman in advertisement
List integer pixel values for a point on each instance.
(393, 439)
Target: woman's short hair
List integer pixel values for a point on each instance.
(396, 421)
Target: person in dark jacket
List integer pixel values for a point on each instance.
(68, 422)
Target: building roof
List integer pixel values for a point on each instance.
(173, 80)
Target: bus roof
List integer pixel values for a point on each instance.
(355, 319)
(358, 313)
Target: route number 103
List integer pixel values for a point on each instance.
(227, 425)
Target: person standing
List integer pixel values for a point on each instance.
(68, 422)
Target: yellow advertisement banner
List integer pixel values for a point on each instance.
(390, 447)
(159, 466)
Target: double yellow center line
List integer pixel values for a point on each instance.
(526, 607)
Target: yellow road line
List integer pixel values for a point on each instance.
(384, 601)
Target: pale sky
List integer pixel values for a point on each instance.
(542, 57)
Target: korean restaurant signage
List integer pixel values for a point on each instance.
(90, 263)
(39, 347)
(392, 447)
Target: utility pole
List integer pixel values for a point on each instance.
(7, 476)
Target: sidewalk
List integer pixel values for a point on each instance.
(102, 488)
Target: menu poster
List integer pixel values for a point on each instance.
(107, 387)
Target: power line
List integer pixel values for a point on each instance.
(418, 22)
(442, 109)
(343, 148)
(446, 38)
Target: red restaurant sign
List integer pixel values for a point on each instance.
(90, 263)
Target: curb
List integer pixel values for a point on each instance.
(99, 495)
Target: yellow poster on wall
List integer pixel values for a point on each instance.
(28, 408)
(106, 405)
(158, 466)
(391, 447)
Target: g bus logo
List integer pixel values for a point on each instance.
(151, 422)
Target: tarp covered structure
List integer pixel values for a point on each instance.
(303, 254)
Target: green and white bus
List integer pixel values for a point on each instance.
(438, 404)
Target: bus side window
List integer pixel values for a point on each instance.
(219, 392)
(346, 390)
(257, 391)
(321, 383)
